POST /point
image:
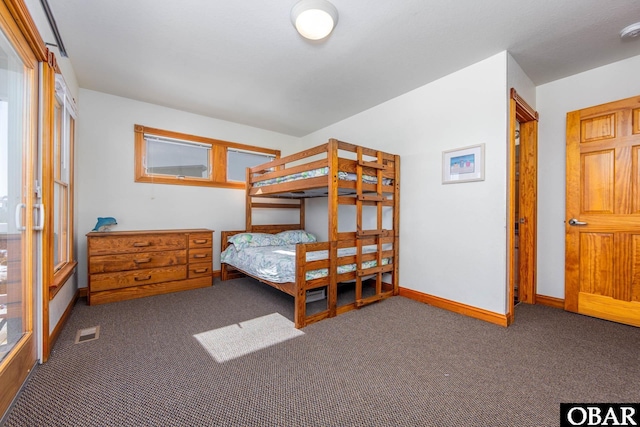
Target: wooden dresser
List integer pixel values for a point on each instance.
(133, 264)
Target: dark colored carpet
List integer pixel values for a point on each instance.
(394, 363)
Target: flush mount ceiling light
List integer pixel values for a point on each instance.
(314, 19)
(631, 31)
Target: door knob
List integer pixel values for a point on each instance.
(574, 221)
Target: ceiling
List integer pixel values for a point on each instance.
(242, 61)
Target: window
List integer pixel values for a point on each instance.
(166, 157)
(238, 162)
(176, 158)
(63, 140)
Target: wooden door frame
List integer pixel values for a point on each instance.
(521, 112)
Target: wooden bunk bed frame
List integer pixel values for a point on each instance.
(339, 192)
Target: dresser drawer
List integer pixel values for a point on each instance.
(200, 270)
(200, 240)
(106, 281)
(200, 255)
(125, 262)
(136, 243)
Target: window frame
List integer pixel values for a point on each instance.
(62, 144)
(217, 159)
(60, 202)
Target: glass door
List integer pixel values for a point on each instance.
(18, 155)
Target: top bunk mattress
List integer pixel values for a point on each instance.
(324, 171)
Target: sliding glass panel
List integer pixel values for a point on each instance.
(18, 160)
(12, 199)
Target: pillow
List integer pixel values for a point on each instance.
(246, 240)
(293, 237)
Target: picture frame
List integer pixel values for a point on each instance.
(463, 164)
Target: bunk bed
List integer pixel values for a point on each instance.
(365, 179)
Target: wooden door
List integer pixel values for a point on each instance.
(602, 265)
(527, 212)
(523, 196)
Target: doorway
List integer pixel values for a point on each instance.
(516, 223)
(522, 213)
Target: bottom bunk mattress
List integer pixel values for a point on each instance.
(278, 263)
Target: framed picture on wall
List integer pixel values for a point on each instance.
(463, 164)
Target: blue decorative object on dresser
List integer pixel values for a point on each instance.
(105, 223)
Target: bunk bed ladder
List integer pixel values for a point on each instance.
(378, 233)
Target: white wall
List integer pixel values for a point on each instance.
(453, 237)
(518, 79)
(105, 172)
(554, 100)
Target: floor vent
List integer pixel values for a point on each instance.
(87, 334)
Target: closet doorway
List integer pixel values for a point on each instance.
(522, 215)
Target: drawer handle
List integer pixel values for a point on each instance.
(200, 241)
(201, 270)
(141, 244)
(142, 260)
(200, 255)
(142, 278)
